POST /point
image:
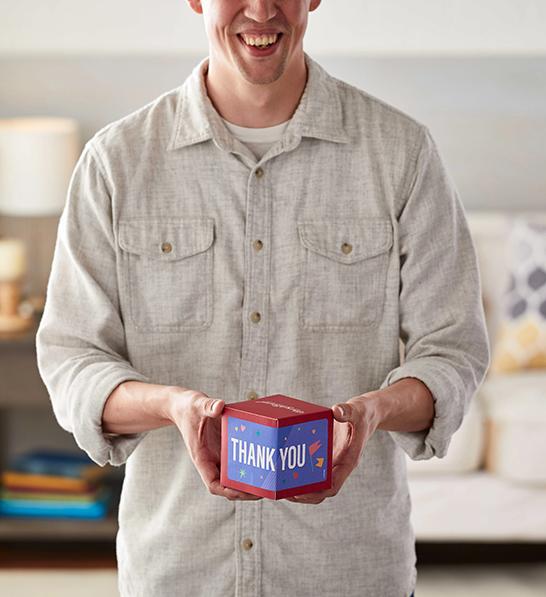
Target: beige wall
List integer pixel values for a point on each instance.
(347, 26)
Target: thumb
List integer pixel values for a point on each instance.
(211, 407)
(343, 412)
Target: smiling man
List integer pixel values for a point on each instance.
(262, 228)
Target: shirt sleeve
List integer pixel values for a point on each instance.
(80, 342)
(442, 322)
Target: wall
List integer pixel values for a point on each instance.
(488, 114)
(360, 26)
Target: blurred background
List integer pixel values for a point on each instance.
(475, 74)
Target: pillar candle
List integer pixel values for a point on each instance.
(13, 261)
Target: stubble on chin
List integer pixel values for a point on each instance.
(251, 74)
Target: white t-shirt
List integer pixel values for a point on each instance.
(258, 140)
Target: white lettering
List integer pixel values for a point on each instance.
(253, 455)
(270, 465)
(251, 461)
(260, 456)
(235, 442)
(263, 456)
(292, 456)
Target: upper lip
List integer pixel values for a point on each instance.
(255, 32)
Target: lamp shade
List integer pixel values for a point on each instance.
(37, 158)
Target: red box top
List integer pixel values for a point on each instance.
(276, 410)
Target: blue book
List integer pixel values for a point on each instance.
(56, 463)
(57, 508)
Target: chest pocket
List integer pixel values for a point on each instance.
(344, 272)
(167, 272)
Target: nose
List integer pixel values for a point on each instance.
(261, 10)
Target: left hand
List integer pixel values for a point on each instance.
(351, 432)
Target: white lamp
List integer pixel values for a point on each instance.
(37, 157)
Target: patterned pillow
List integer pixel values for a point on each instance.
(521, 340)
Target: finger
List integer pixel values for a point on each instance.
(340, 454)
(340, 473)
(307, 498)
(339, 476)
(343, 412)
(209, 407)
(210, 475)
(217, 488)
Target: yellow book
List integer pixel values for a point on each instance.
(12, 480)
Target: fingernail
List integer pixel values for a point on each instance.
(342, 410)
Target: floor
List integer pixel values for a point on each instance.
(515, 580)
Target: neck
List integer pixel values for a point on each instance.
(256, 106)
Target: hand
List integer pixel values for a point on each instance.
(198, 418)
(351, 432)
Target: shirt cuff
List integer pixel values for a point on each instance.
(450, 406)
(102, 447)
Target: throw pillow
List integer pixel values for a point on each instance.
(521, 340)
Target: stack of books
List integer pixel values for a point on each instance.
(54, 484)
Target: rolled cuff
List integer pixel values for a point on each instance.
(450, 406)
(102, 447)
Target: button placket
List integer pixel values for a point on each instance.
(254, 359)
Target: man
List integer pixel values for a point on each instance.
(263, 228)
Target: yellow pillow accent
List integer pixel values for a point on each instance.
(521, 344)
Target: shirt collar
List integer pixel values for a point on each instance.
(319, 113)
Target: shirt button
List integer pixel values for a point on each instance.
(346, 248)
(166, 247)
(258, 244)
(259, 172)
(247, 543)
(252, 395)
(255, 316)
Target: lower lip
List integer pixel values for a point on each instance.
(266, 52)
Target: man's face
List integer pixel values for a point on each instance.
(228, 23)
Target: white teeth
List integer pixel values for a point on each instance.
(262, 40)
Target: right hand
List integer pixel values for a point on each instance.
(198, 417)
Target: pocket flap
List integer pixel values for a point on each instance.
(167, 239)
(347, 241)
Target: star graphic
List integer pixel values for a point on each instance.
(242, 472)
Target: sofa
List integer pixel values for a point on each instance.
(491, 485)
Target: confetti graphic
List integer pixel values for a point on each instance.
(314, 447)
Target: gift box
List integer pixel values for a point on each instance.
(276, 446)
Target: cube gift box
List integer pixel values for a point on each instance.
(276, 446)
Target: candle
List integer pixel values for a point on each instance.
(13, 260)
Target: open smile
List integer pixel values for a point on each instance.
(261, 51)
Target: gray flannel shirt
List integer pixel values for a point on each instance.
(157, 277)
